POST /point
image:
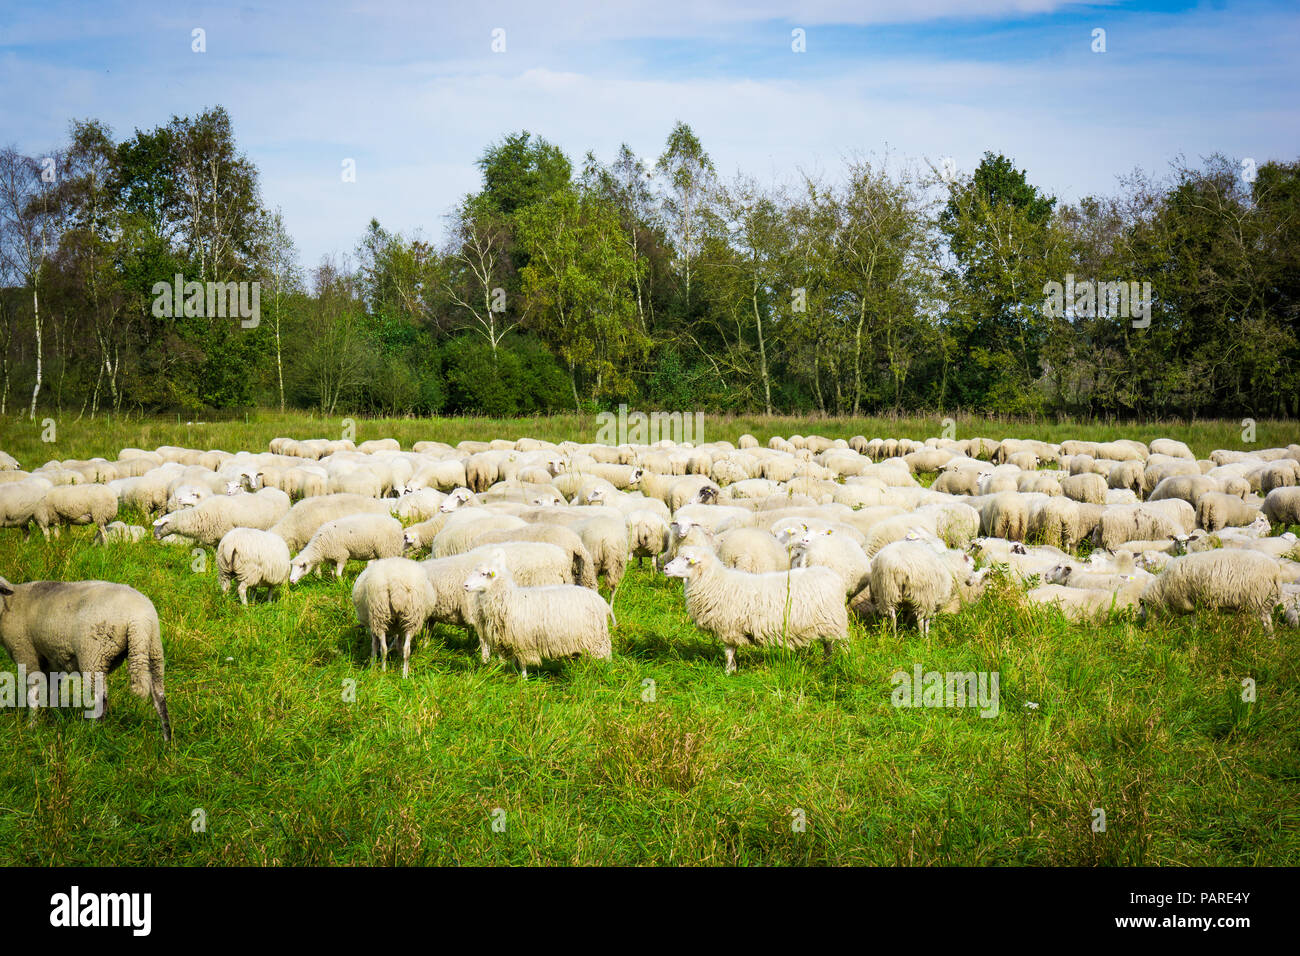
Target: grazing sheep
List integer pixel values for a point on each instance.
(1282, 505)
(531, 624)
(584, 566)
(1074, 576)
(85, 626)
(354, 538)
(647, 534)
(1126, 475)
(788, 608)
(752, 550)
(1005, 515)
(392, 598)
(8, 462)
(1090, 488)
(252, 558)
(1144, 522)
(209, 520)
(1086, 605)
(297, 527)
(1222, 579)
(19, 502)
(605, 538)
(459, 537)
(963, 481)
(916, 575)
(1217, 510)
(75, 504)
(121, 531)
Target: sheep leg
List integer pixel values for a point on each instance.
(828, 649)
(406, 654)
(225, 585)
(893, 621)
(338, 568)
(160, 705)
(731, 659)
(243, 593)
(484, 651)
(383, 647)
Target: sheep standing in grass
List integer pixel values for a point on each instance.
(531, 624)
(209, 520)
(916, 575)
(76, 504)
(841, 554)
(1282, 505)
(85, 626)
(252, 558)
(393, 598)
(1216, 510)
(789, 608)
(19, 502)
(647, 534)
(302, 520)
(121, 531)
(1223, 579)
(354, 538)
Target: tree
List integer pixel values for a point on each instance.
(689, 175)
(279, 272)
(479, 269)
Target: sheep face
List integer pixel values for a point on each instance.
(162, 527)
(488, 575)
(299, 568)
(1059, 574)
(454, 500)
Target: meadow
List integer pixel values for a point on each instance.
(290, 749)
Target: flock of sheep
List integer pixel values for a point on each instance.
(776, 545)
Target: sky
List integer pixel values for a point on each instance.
(413, 92)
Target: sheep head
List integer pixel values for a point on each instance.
(688, 563)
(489, 574)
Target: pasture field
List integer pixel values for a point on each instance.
(656, 757)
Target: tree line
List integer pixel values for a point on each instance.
(886, 287)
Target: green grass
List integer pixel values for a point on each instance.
(1145, 723)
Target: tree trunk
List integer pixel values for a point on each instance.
(36, 319)
(762, 355)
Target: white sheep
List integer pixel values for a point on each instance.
(86, 626)
(392, 598)
(531, 624)
(752, 550)
(362, 537)
(917, 575)
(1223, 579)
(209, 520)
(76, 504)
(20, 500)
(1282, 505)
(297, 527)
(786, 608)
(1086, 604)
(842, 555)
(121, 531)
(1216, 510)
(252, 558)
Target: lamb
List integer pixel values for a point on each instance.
(121, 531)
(1217, 510)
(418, 505)
(917, 575)
(85, 626)
(253, 559)
(209, 521)
(297, 527)
(787, 608)
(1071, 575)
(356, 537)
(532, 624)
(75, 504)
(392, 598)
(1222, 579)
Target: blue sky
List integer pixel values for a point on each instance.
(413, 91)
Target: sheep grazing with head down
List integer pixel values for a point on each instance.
(786, 608)
(920, 576)
(76, 504)
(85, 626)
(209, 520)
(393, 598)
(1223, 579)
(354, 538)
(253, 559)
(531, 624)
